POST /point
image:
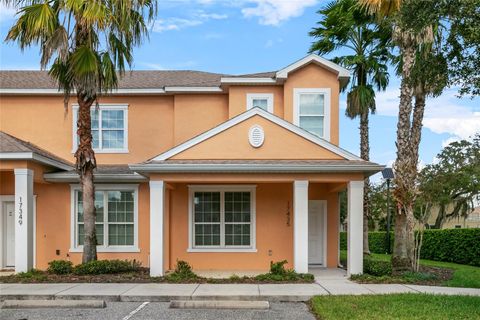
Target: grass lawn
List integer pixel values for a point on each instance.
(397, 306)
(463, 276)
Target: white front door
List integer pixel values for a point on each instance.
(316, 231)
(9, 232)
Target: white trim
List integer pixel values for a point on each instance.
(342, 72)
(242, 80)
(34, 156)
(60, 92)
(157, 226)
(105, 247)
(193, 89)
(102, 106)
(222, 189)
(99, 177)
(267, 96)
(355, 228)
(113, 92)
(300, 226)
(326, 107)
(246, 115)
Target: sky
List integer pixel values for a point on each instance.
(247, 36)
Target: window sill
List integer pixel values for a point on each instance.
(220, 250)
(107, 249)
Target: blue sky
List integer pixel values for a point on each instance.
(247, 36)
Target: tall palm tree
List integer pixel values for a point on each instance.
(409, 126)
(346, 26)
(86, 45)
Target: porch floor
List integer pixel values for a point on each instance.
(322, 273)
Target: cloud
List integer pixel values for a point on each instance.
(7, 12)
(271, 42)
(197, 18)
(444, 114)
(274, 12)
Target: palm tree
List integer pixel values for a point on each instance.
(409, 126)
(348, 27)
(86, 46)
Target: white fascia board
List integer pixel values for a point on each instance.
(73, 177)
(193, 89)
(238, 80)
(341, 71)
(271, 168)
(35, 157)
(246, 115)
(59, 92)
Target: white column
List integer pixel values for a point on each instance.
(355, 228)
(157, 208)
(23, 220)
(300, 226)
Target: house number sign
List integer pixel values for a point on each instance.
(20, 211)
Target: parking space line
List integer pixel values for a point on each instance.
(140, 307)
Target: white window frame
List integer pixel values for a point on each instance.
(326, 111)
(74, 247)
(268, 96)
(222, 189)
(102, 106)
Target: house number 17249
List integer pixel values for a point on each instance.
(20, 211)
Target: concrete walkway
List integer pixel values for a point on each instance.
(167, 292)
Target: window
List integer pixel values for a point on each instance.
(109, 128)
(260, 100)
(312, 111)
(222, 218)
(116, 218)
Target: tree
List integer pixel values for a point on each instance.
(452, 183)
(346, 26)
(439, 45)
(86, 46)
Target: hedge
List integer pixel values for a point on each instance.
(449, 245)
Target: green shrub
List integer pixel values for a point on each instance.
(106, 267)
(32, 275)
(278, 267)
(183, 272)
(377, 268)
(60, 267)
(450, 245)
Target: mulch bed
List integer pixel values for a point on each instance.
(440, 275)
(140, 276)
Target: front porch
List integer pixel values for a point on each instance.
(278, 218)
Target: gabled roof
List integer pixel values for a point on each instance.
(249, 114)
(162, 81)
(13, 148)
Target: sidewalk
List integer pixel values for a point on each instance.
(167, 292)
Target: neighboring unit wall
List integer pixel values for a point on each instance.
(53, 226)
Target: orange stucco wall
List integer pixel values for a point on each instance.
(279, 143)
(197, 113)
(314, 76)
(53, 226)
(238, 98)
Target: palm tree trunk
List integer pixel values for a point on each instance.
(85, 164)
(365, 155)
(405, 169)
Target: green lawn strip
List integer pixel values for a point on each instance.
(396, 306)
(464, 275)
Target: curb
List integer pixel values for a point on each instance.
(219, 304)
(29, 304)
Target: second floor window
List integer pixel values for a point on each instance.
(109, 128)
(260, 100)
(312, 111)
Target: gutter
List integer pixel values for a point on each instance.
(99, 177)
